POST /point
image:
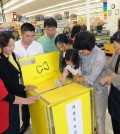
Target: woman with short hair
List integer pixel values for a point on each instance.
(93, 61)
(10, 74)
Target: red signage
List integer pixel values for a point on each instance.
(14, 16)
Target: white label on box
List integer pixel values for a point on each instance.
(74, 117)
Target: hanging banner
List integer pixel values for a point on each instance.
(39, 17)
(66, 14)
(14, 16)
(58, 17)
(105, 10)
(73, 16)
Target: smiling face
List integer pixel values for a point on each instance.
(9, 48)
(63, 47)
(116, 47)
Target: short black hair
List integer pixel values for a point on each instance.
(115, 37)
(4, 39)
(50, 22)
(76, 29)
(27, 27)
(62, 38)
(84, 41)
(73, 55)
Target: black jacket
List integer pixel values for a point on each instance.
(10, 76)
(62, 63)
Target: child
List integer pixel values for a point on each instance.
(72, 60)
(63, 43)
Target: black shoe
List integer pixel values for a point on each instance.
(24, 128)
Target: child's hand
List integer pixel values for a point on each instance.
(62, 79)
(63, 76)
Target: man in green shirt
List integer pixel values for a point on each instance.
(48, 40)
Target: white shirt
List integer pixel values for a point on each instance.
(34, 48)
(73, 71)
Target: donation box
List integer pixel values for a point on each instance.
(60, 109)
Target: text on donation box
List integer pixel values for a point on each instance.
(74, 117)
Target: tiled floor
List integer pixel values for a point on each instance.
(29, 131)
(108, 124)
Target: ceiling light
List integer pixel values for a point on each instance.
(97, 0)
(64, 8)
(50, 7)
(76, 11)
(17, 6)
(38, 11)
(10, 3)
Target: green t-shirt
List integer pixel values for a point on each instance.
(48, 43)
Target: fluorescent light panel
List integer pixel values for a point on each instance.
(50, 7)
(10, 3)
(59, 9)
(97, 0)
(77, 11)
(38, 11)
(93, 6)
(17, 6)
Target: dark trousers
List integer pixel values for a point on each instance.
(114, 108)
(116, 126)
(14, 121)
(25, 113)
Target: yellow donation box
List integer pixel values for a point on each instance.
(59, 110)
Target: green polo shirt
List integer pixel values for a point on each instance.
(48, 43)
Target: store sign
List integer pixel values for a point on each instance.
(74, 117)
(105, 10)
(14, 16)
(58, 17)
(19, 18)
(39, 17)
(66, 14)
(73, 16)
